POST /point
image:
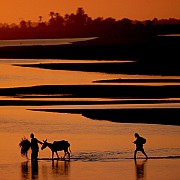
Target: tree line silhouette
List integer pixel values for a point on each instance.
(79, 24)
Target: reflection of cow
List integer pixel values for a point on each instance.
(57, 146)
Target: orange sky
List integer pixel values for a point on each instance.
(12, 11)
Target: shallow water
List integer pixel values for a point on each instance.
(99, 145)
(40, 42)
(100, 149)
(14, 76)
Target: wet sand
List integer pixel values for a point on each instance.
(166, 116)
(132, 67)
(92, 91)
(22, 102)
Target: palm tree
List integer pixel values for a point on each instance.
(52, 14)
(23, 24)
(40, 18)
(80, 11)
(29, 23)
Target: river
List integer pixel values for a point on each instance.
(101, 149)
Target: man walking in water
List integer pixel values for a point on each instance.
(139, 145)
(34, 147)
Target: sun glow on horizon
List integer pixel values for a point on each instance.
(17, 10)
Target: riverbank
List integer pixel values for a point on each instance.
(96, 91)
(136, 48)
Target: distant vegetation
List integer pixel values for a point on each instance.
(79, 24)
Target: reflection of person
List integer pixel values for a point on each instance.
(34, 169)
(139, 145)
(34, 147)
(140, 169)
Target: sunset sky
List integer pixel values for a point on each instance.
(13, 11)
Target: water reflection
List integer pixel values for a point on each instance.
(29, 171)
(61, 168)
(25, 170)
(140, 169)
(32, 170)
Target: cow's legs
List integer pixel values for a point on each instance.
(66, 152)
(57, 155)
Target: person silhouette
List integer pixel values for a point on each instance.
(139, 145)
(34, 147)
